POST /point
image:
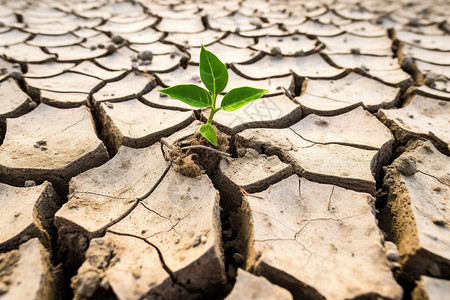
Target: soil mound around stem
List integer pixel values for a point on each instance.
(192, 156)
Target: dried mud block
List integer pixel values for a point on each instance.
(7, 67)
(226, 54)
(41, 40)
(191, 25)
(422, 117)
(206, 37)
(50, 144)
(313, 66)
(315, 28)
(76, 53)
(27, 213)
(430, 42)
(171, 242)
(252, 172)
(89, 68)
(418, 203)
(121, 59)
(144, 36)
(260, 31)
(431, 56)
(14, 101)
(28, 274)
(156, 48)
(188, 75)
(348, 11)
(13, 36)
(101, 196)
(276, 86)
(134, 124)
(364, 28)
(291, 45)
(233, 21)
(126, 27)
(434, 92)
(25, 53)
(320, 242)
(162, 63)
(249, 286)
(64, 100)
(349, 43)
(431, 288)
(129, 87)
(332, 97)
(65, 82)
(330, 17)
(47, 69)
(237, 41)
(276, 111)
(341, 150)
(384, 68)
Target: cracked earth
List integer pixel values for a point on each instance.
(334, 185)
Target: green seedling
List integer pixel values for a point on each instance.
(214, 76)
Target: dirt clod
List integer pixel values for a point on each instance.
(407, 166)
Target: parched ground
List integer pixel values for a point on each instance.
(335, 185)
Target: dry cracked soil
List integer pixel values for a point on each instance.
(335, 185)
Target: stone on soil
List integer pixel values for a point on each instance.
(320, 242)
(418, 202)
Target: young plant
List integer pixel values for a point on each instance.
(214, 76)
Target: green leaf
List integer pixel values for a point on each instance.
(241, 96)
(209, 133)
(213, 72)
(189, 94)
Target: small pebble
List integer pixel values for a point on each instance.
(111, 48)
(93, 47)
(101, 46)
(275, 51)
(392, 255)
(30, 183)
(355, 51)
(117, 39)
(203, 239)
(146, 55)
(16, 75)
(407, 166)
(43, 148)
(407, 63)
(196, 241)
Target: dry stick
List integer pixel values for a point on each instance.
(206, 148)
